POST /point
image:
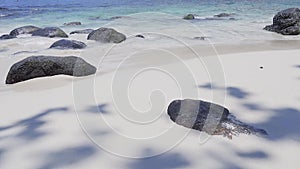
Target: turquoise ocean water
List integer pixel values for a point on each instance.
(249, 15)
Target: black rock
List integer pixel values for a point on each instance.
(189, 17)
(95, 17)
(41, 66)
(106, 35)
(84, 31)
(68, 44)
(72, 23)
(200, 37)
(221, 15)
(24, 30)
(6, 36)
(140, 36)
(286, 22)
(50, 32)
(116, 17)
(3, 9)
(208, 117)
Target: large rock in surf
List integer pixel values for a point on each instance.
(189, 17)
(209, 117)
(24, 30)
(6, 36)
(106, 35)
(50, 32)
(84, 31)
(68, 44)
(41, 66)
(286, 22)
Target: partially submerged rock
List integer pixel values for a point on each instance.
(189, 17)
(286, 22)
(72, 23)
(209, 117)
(68, 44)
(41, 66)
(84, 31)
(106, 35)
(24, 30)
(221, 15)
(6, 36)
(50, 32)
(116, 17)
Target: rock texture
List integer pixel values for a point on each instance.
(41, 66)
(189, 17)
(50, 32)
(68, 44)
(84, 31)
(24, 30)
(106, 35)
(286, 22)
(6, 36)
(208, 117)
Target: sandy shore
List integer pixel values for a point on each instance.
(119, 114)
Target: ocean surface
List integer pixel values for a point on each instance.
(247, 19)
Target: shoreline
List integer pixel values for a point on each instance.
(142, 54)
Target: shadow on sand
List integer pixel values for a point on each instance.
(283, 123)
(231, 91)
(31, 126)
(163, 161)
(68, 156)
(101, 108)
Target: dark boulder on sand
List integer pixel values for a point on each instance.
(286, 22)
(208, 117)
(189, 17)
(68, 44)
(6, 36)
(41, 66)
(24, 30)
(72, 23)
(50, 32)
(106, 35)
(84, 31)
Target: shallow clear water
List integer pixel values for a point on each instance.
(250, 16)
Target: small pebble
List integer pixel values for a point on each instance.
(140, 36)
(200, 38)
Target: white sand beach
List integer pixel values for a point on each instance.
(117, 118)
(64, 122)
